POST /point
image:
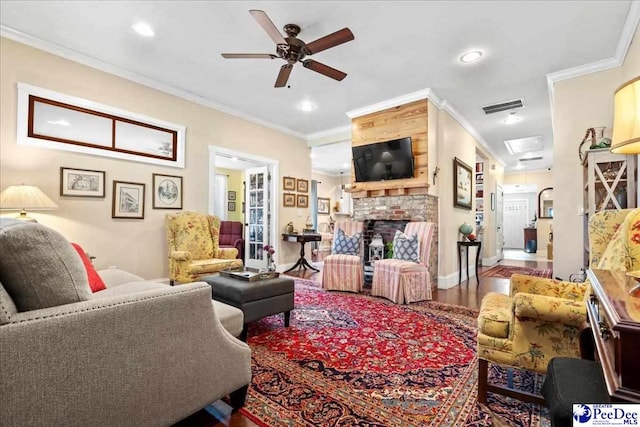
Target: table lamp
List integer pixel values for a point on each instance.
(23, 197)
(626, 118)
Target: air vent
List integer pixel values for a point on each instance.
(528, 159)
(503, 106)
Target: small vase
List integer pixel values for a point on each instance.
(599, 141)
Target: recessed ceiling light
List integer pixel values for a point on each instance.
(519, 166)
(306, 106)
(143, 29)
(512, 118)
(471, 56)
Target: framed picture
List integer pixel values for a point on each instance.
(128, 200)
(81, 182)
(167, 191)
(289, 200)
(302, 201)
(231, 206)
(288, 183)
(231, 195)
(462, 184)
(302, 185)
(323, 206)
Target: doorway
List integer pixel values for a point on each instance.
(259, 230)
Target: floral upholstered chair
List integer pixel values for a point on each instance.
(343, 270)
(193, 242)
(542, 318)
(401, 280)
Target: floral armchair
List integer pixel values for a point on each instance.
(542, 318)
(193, 242)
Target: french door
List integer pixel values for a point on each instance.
(257, 216)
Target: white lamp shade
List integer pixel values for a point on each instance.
(22, 197)
(626, 118)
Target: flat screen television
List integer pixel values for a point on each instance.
(383, 160)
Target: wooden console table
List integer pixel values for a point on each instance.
(302, 239)
(614, 316)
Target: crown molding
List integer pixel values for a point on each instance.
(394, 102)
(97, 64)
(626, 37)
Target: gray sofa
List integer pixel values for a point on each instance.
(137, 353)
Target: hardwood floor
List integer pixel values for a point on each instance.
(467, 294)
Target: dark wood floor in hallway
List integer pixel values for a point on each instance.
(468, 294)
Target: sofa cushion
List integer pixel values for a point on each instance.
(95, 281)
(39, 268)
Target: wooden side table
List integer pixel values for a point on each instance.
(467, 244)
(302, 263)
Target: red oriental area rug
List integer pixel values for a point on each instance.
(350, 359)
(505, 271)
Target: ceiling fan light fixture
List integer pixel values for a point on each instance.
(471, 56)
(143, 29)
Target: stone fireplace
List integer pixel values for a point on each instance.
(384, 215)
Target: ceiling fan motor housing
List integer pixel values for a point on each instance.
(295, 49)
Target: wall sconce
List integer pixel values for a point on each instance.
(436, 171)
(23, 197)
(626, 118)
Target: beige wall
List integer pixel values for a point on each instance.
(234, 183)
(580, 103)
(135, 245)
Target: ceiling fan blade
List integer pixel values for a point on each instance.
(334, 39)
(324, 69)
(267, 26)
(283, 75)
(248, 56)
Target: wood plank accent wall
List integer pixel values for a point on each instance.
(393, 123)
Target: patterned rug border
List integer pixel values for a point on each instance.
(506, 271)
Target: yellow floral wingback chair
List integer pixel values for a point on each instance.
(193, 240)
(542, 318)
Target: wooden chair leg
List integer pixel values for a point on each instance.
(483, 371)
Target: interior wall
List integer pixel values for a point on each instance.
(580, 103)
(135, 245)
(453, 141)
(234, 183)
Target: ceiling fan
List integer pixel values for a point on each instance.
(293, 50)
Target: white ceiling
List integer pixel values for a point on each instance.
(400, 47)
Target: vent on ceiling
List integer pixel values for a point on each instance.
(528, 159)
(503, 106)
(524, 145)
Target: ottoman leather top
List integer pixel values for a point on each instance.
(241, 291)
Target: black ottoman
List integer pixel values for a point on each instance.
(256, 299)
(569, 381)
